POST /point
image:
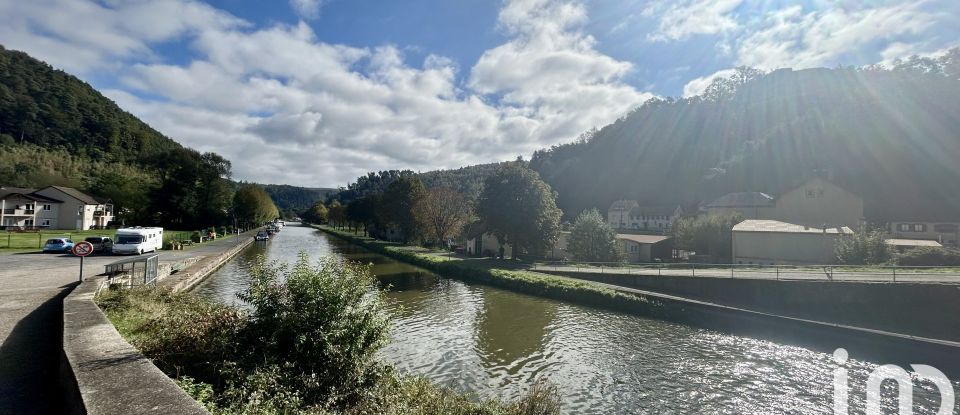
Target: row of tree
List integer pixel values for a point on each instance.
(514, 205)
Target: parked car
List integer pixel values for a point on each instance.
(58, 245)
(101, 244)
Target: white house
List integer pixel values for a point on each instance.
(618, 215)
(771, 242)
(22, 208)
(53, 207)
(657, 219)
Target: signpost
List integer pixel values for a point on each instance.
(82, 249)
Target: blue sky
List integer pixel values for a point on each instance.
(316, 92)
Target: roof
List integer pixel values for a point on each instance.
(665, 210)
(742, 199)
(26, 193)
(623, 205)
(764, 225)
(76, 194)
(642, 239)
(912, 242)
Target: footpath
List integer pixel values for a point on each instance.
(32, 289)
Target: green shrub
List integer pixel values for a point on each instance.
(929, 256)
(863, 248)
(326, 320)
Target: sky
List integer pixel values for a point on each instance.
(317, 92)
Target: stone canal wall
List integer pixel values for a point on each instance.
(189, 277)
(916, 309)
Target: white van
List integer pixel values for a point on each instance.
(137, 240)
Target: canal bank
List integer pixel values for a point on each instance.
(908, 308)
(875, 345)
(100, 372)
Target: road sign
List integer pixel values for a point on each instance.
(82, 249)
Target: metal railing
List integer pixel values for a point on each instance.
(127, 273)
(775, 272)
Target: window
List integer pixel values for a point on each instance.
(28, 222)
(80, 209)
(903, 227)
(811, 194)
(47, 207)
(46, 222)
(919, 227)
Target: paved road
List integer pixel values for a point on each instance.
(32, 287)
(835, 274)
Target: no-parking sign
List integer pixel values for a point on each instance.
(83, 249)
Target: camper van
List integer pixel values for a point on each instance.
(137, 240)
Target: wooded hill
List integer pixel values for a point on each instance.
(58, 130)
(294, 199)
(53, 109)
(892, 136)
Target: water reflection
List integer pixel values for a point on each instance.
(496, 343)
(504, 349)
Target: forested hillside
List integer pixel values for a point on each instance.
(57, 130)
(892, 136)
(50, 108)
(292, 200)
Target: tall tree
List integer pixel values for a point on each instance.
(712, 234)
(317, 213)
(337, 214)
(252, 206)
(592, 239)
(520, 209)
(397, 208)
(442, 213)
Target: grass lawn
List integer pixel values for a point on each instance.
(35, 240)
(26, 241)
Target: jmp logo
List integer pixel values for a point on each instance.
(898, 375)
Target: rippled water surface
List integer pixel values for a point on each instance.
(496, 343)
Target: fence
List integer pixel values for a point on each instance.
(128, 274)
(36, 239)
(778, 272)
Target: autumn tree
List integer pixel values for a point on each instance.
(520, 209)
(592, 239)
(442, 212)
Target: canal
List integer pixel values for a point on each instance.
(496, 343)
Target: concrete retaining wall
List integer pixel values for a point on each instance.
(189, 277)
(112, 377)
(917, 309)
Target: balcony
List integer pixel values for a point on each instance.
(19, 212)
(102, 213)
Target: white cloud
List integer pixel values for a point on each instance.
(307, 9)
(792, 37)
(698, 85)
(287, 107)
(682, 19)
(81, 35)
